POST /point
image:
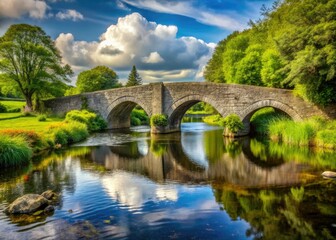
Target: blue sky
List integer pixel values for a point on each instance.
(167, 40)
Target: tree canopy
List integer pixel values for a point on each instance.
(134, 78)
(292, 46)
(30, 61)
(98, 78)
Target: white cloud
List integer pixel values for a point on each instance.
(225, 20)
(70, 14)
(17, 8)
(154, 48)
(122, 6)
(139, 191)
(154, 57)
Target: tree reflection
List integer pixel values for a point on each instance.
(289, 213)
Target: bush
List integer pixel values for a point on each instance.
(32, 138)
(93, 121)
(14, 110)
(14, 151)
(135, 121)
(159, 120)
(3, 108)
(66, 133)
(233, 123)
(42, 118)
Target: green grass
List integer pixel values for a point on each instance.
(14, 151)
(28, 123)
(4, 116)
(13, 104)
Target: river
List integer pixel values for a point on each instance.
(190, 185)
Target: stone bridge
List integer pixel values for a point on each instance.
(174, 99)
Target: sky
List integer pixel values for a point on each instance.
(167, 40)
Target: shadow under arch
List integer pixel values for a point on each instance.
(248, 112)
(119, 111)
(178, 108)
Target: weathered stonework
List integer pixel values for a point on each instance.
(174, 99)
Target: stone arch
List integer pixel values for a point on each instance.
(176, 110)
(119, 111)
(248, 112)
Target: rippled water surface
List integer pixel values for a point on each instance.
(191, 185)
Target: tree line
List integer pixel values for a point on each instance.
(292, 46)
(31, 67)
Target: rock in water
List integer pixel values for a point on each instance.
(49, 209)
(49, 194)
(26, 204)
(329, 174)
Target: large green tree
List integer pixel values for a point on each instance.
(30, 60)
(292, 46)
(134, 78)
(98, 78)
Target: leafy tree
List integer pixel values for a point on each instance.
(98, 78)
(134, 78)
(71, 91)
(297, 50)
(29, 58)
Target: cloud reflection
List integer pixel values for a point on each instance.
(134, 191)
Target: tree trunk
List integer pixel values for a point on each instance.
(29, 104)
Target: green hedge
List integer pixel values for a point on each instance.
(159, 120)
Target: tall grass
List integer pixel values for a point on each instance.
(311, 132)
(14, 151)
(263, 118)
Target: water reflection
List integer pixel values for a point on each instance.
(195, 184)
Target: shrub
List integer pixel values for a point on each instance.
(42, 118)
(233, 123)
(3, 108)
(135, 121)
(92, 120)
(159, 120)
(71, 132)
(14, 151)
(141, 115)
(14, 110)
(32, 138)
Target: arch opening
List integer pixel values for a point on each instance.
(127, 114)
(188, 110)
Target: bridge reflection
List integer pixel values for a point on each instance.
(170, 159)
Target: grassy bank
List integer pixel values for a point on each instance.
(33, 135)
(314, 132)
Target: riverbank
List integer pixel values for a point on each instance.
(33, 134)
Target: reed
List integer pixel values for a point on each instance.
(14, 151)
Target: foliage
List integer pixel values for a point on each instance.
(139, 117)
(13, 106)
(134, 78)
(31, 137)
(202, 108)
(30, 60)
(312, 132)
(263, 118)
(159, 120)
(71, 91)
(14, 151)
(92, 120)
(292, 46)
(3, 108)
(233, 123)
(214, 120)
(98, 78)
(42, 118)
(67, 133)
